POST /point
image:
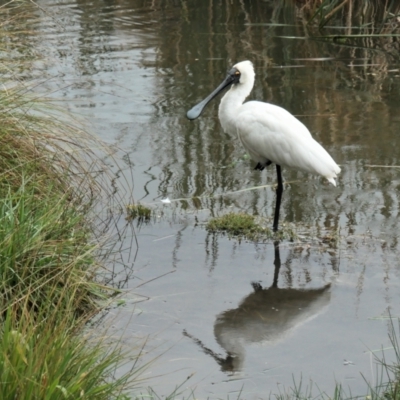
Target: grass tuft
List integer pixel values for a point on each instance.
(245, 226)
(42, 357)
(44, 249)
(235, 224)
(139, 211)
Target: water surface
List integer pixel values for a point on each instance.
(213, 308)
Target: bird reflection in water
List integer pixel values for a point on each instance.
(265, 315)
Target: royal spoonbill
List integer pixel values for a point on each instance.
(269, 133)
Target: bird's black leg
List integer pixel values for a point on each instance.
(279, 191)
(277, 263)
(260, 167)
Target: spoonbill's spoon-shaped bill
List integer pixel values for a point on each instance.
(269, 133)
(196, 111)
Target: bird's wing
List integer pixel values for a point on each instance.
(270, 132)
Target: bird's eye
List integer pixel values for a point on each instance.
(237, 73)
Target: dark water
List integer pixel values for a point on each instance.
(132, 69)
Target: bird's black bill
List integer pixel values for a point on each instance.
(196, 111)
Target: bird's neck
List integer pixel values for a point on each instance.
(231, 102)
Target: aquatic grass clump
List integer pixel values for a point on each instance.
(236, 224)
(241, 225)
(139, 211)
(245, 226)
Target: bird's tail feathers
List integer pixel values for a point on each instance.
(332, 180)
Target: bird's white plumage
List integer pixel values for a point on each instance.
(270, 133)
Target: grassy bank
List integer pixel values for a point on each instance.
(48, 289)
(47, 266)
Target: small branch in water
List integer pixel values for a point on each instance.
(153, 279)
(383, 166)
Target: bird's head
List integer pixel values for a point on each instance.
(240, 74)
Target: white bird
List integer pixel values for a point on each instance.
(269, 133)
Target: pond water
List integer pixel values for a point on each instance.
(218, 316)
